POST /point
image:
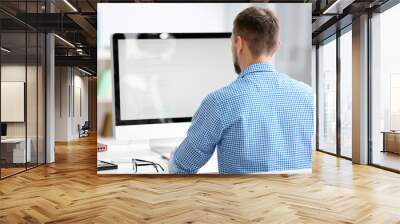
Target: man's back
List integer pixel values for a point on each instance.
(261, 122)
(268, 121)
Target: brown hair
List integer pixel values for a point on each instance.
(259, 27)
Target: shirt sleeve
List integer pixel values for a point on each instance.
(202, 137)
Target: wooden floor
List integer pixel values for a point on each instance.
(5, 172)
(10, 171)
(69, 191)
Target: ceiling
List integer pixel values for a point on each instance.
(74, 21)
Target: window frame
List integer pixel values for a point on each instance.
(378, 10)
(27, 29)
(333, 37)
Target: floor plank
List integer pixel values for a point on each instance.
(69, 191)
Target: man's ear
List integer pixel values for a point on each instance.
(239, 44)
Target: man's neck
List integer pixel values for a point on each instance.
(261, 59)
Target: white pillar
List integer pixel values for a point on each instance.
(360, 90)
(50, 103)
(50, 92)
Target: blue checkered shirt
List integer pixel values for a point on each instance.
(261, 122)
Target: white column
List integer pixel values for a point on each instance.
(50, 92)
(50, 99)
(360, 90)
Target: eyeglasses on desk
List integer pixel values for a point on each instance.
(136, 163)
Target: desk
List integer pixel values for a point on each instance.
(13, 150)
(122, 154)
(391, 141)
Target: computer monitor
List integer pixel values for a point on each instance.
(160, 80)
(3, 129)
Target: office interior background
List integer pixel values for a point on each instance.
(379, 88)
(48, 84)
(48, 88)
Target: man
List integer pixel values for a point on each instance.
(260, 123)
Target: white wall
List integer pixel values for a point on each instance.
(293, 57)
(61, 103)
(67, 116)
(314, 87)
(79, 117)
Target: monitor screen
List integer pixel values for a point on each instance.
(161, 78)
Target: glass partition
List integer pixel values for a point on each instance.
(327, 96)
(32, 86)
(14, 153)
(22, 76)
(385, 89)
(346, 94)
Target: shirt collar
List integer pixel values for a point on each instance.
(258, 67)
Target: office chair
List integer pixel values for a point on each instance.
(84, 130)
